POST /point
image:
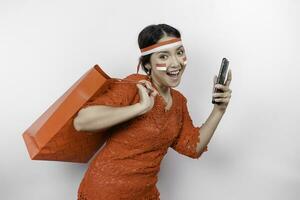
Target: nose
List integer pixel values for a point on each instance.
(175, 63)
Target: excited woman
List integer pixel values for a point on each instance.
(145, 116)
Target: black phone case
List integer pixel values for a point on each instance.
(221, 77)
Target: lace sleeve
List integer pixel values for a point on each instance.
(186, 141)
(117, 94)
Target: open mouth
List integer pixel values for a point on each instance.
(173, 74)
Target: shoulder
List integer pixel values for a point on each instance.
(180, 95)
(136, 77)
(127, 84)
(127, 81)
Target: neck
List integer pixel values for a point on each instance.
(163, 90)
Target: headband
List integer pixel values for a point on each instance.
(158, 47)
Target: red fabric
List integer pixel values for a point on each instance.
(188, 138)
(127, 166)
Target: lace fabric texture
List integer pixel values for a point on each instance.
(128, 164)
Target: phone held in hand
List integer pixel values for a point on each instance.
(221, 77)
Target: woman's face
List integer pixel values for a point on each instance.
(173, 58)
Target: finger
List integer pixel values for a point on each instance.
(221, 94)
(142, 85)
(146, 83)
(218, 96)
(154, 93)
(222, 87)
(142, 82)
(224, 100)
(149, 86)
(142, 89)
(229, 77)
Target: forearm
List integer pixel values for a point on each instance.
(100, 117)
(208, 128)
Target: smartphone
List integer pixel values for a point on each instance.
(221, 77)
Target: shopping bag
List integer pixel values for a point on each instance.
(53, 137)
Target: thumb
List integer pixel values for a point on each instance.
(215, 81)
(140, 89)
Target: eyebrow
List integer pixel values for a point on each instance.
(168, 51)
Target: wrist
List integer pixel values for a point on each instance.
(219, 110)
(139, 109)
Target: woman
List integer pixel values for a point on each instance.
(144, 120)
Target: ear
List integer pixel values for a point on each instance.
(148, 66)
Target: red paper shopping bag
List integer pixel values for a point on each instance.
(53, 137)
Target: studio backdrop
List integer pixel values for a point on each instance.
(254, 154)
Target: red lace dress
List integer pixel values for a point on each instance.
(128, 164)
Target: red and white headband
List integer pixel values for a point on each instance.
(161, 45)
(158, 47)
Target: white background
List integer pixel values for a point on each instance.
(254, 154)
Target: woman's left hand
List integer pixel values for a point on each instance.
(224, 96)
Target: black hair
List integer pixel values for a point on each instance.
(150, 35)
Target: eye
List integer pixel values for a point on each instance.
(180, 52)
(163, 57)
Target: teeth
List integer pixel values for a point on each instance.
(174, 72)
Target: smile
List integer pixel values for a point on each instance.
(173, 74)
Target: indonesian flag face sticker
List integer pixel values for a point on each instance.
(161, 66)
(184, 61)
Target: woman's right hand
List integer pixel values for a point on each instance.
(147, 95)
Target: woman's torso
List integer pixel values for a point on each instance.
(129, 162)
